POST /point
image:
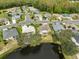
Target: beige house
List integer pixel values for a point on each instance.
(44, 29)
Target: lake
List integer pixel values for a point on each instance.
(43, 51)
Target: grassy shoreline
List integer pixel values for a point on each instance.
(10, 47)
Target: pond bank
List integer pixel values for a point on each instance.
(11, 46)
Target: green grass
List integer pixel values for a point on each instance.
(5, 15)
(22, 18)
(1, 36)
(3, 56)
(55, 6)
(76, 17)
(67, 57)
(19, 29)
(53, 18)
(11, 3)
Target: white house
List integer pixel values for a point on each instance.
(27, 29)
(5, 29)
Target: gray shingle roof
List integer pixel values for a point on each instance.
(57, 26)
(10, 33)
(28, 19)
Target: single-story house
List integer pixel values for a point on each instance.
(32, 9)
(57, 26)
(44, 29)
(38, 17)
(14, 18)
(24, 8)
(27, 29)
(10, 34)
(67, 16)
(47, 15)
(5, 21)
(28, 19)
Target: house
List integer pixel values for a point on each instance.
(15, 17)
(66, 16)
(34, 10)
(38, 17)
(47, 15)
(24, 8)
(28, 19)
(44, 29)
(4, 21)
(10, 34)
(5, 29)
(28, 29)
(57, 26)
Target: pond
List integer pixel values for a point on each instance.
(43, 51)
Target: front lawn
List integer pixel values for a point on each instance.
(67, 57)
(47, 39)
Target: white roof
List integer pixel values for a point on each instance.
(14, 21)
(44, 32)
(27, 29)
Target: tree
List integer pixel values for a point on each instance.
(56, 6)
(68, 47)
(29, 38)
(35, 39)
(65, 35)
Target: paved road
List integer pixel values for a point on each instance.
(71, 21)
(24, 22)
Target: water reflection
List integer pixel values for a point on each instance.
(57, 49)
(30, 50)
